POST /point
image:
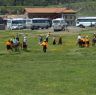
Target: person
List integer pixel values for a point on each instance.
(15, 44)
(83, 44)
(94, 35)
(40, 39)
(93, 41)
(45, 45)
(79, 37)
(60, 40)
(25, 43)
(54, 41)
(47, 36)
(66, 27)
(79, 40)
(17, 37)
(8, 45)
(49, 33)
(87, 42)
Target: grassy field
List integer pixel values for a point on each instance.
(64, 70)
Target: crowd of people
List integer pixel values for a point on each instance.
(84, 41)
(17, 43)
(14, 44)
(44, 43)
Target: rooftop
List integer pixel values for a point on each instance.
(49, 10)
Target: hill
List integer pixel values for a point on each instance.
(84, 8)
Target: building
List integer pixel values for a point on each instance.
(2, 23)
(68, 14)
(7, 16)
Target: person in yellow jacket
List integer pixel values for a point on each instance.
(8, 45)
(45, 45)
(87, 42)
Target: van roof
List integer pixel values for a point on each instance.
(58, 19)
(86, 18)
(40, 18)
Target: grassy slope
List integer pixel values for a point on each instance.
(82, 8)
(63, 70)
(85, 8)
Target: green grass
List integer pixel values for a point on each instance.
(63, 70)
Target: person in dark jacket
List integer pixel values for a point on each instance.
(60, 40)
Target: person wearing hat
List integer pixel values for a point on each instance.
(45, 45)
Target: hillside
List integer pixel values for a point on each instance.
(82, 8)
(86, 8)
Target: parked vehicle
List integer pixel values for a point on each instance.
(34, 23)
(40, 23)
(37, 23)
(85, 22)
(59, 24)
(16, 23)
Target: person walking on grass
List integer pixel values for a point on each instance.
(25, 43)
(79, 40)
(47, 36)
(94, 35)
(45, 45)
(54, 40)
(87, 41)
(9, 45)
(17, 37)
(60, 41)
(40, 39)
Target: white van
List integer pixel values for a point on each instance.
(36, 23)
(85, 22)
(16, 23)
(59, 24)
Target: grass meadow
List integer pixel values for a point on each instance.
(63, 70)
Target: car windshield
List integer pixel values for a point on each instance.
(56, 21)
(18, 22)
